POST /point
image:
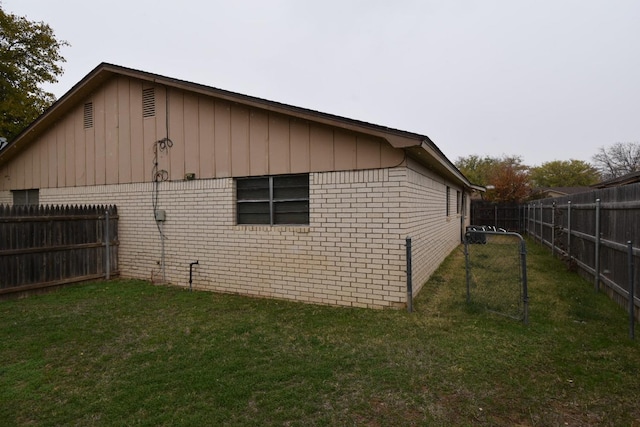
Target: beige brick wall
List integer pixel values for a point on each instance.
(352, 253)
(433, 234)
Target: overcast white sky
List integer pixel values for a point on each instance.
(542, 79)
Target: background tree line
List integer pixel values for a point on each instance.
(509, 180)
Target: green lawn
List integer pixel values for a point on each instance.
(129, 353)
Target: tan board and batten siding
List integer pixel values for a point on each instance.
(212, 138)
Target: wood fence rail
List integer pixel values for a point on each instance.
(44, 246)
(597, 233)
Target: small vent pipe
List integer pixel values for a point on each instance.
(191, 264)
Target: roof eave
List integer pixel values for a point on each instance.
(417, 146)
(429, 155)
(396, 138)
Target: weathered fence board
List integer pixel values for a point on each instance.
(43, 246)
(591, 232)
(508, 216)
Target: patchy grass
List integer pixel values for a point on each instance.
(129, 353)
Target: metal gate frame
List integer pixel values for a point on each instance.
(476, 235)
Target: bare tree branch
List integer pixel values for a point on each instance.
(617, 160)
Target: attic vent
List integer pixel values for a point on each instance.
(88, 115)
(148, 102)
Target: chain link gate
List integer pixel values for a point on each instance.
(496, 267)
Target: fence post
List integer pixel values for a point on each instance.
(466, 265)
(569, 230)
(632, 317)
(541, 226)
(495, 216)
(597, 249)
(553, 230)
(106, 245)
(409, 277)
(525, 291)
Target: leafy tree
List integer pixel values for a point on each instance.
(618, 160)
(477, 169)
(506, 178)
(510, 182)
(29, 57)
(564, 173)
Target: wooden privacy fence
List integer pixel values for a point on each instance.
(509, 216)
(598, 234)
(43, 246)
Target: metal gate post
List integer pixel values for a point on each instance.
(409, 277)
(525, 290)
(597, 249)
(467, 267)
(569, 230)
(553, 230)
(632, 317)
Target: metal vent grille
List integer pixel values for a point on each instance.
(148, 102)
(88, 115)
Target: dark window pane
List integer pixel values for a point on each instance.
(254, 219)
(291, 218)
(291, 181)
(284, 207)
(448, 200)
(253, 182)
(252, 189)
(290, 201)
(289, 193)
(291, 187)
(253, 207)
(254, 213)
(253, 194)
(26, 197)
(19, 197)
(291, 212)
(33, 197)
